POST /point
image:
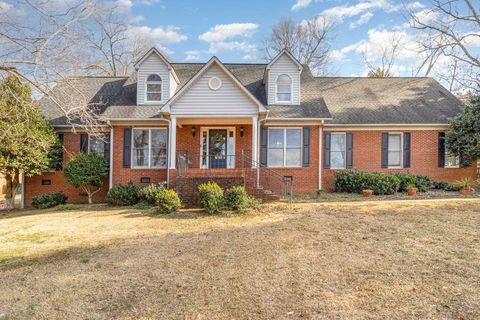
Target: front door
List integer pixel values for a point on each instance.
(217, 148)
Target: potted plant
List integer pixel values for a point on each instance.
(411, 190)
(466, 185)
(367, 193)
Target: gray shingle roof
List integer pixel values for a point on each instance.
(345, 100)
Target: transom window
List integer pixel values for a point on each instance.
(338, 151)
(154, 88)
(284, 147)
(149, 148)
(284, 88)
(395, 150)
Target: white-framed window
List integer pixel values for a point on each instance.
(395, 150)
(97, 145)
(149, 148)
(153, 88)
(451, 161)
(338, 150)
(284, 88)
(284, 147)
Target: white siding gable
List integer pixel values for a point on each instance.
(283, 65)
(153, 64)
(201, 100)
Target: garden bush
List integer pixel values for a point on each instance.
(237, 199)
(43, 201)
(440, 185)
(406, 180)
(211, 197)
(423, 183)
(452, 187)
(354, 181)
(149, 193)
(168, 201)
(123, 195)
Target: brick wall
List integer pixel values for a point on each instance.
(424, 157)
(33, 185)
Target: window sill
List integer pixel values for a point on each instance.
(452, 167)
(146, 168)
(394, 168)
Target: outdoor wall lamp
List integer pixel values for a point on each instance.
(194, 130)
(242, 129)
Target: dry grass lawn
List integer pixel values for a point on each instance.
(360, 260)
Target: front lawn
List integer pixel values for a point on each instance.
(386, 260)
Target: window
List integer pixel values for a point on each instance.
(284, 88)
(394, 150)
(97, 145)
(149, 148)
(284, 147)
(338, 151)
(154, 88)
(451, 161)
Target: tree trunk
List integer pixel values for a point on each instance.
(89, 198)
(12, 188)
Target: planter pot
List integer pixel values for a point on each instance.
(466, 191)
(367, 193)
(412, 191)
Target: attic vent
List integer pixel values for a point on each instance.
(214, 83)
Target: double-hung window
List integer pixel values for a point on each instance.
(338, 151)
(284, 88)
(395, 153)
(153, 88)
(284, 147)
(97, 145)
(149, 148)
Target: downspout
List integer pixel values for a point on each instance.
(320, 153)
(110, 178)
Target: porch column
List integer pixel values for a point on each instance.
(172, 134)
(254, 140)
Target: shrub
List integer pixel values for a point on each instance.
(406, 180)
(66, 207)
(423, 183)
(168, 201)
(452, 188)
(236, 198)
(142, 205)
(123, 195)
(43, 201)
(384, 183)
(353, 181)
(149, 193)
(211, 197)
(440, 185)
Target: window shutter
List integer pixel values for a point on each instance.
(406, 149)
(441, 149)
(263, 146)
(106, 150)
(306, 147)
(60, 155)
(384, 150)
(326, 152)
(84, 142)
(349, 155)
(127, 147)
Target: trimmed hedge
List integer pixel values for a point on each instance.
(237, 199)
(211, 197)
(150, 192)
(43, 201)
(354, 181)
(123, 195)
(168, 201)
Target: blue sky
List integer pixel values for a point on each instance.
(190, 30)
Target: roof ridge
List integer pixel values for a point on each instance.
(106, 77)
(366, 77)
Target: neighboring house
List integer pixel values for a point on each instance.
(184, 122)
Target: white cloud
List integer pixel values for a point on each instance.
(301, 4)
(249, 57)
(161, 35)
(364, 18)
(4, 7)
(229, 37)
(193, 55)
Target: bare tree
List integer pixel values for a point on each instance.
(308, 41)
(381, 59)
(447, 32)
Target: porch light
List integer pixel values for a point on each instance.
(194, 130)
(242, 129)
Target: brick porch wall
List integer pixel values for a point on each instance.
(33, 185)
(367, 156)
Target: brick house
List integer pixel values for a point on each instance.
(266, 125)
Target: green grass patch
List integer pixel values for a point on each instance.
(36, 237)
(66, 207)
(11, 253)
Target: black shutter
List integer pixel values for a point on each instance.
(106, 150)
(349, 155)
(127, 147)
(384, 150)
(59, 165)
(326, 151)
(406, 149)
(263, 146)
(306, 147)
(441, 149)
(84, 142)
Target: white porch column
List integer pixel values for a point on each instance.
(172, 134)
(320, 153)
(110, 178)
(254, 140)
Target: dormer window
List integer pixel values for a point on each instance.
(284, 88)
(153, 88)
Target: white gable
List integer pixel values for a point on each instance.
(283, 64)
(200, 99)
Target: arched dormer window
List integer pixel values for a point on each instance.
(153, 88)
(284, 88)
